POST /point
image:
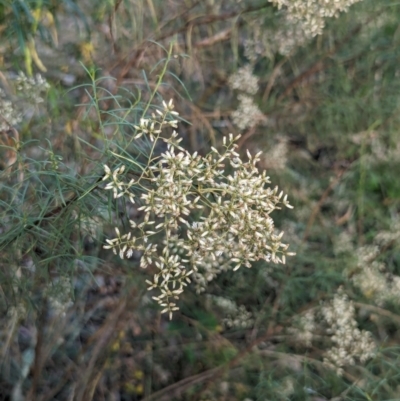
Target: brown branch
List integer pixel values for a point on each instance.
(218, 37)
(107, 334)
(379, 311)
(38, 362)
(316, 67)
(275, 73)
(250, 132)
(174, 390)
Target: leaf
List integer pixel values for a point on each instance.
(34, 56)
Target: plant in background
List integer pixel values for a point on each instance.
(9, 115)
(78, 319)
(372, 276)
(312, 14)
(336, 320)
(350, 343)
(26, 20)
(247, 113)
(204, 206)
(300, 21)
(29, 91)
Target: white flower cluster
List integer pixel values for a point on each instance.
(350, 342)
(313, 13)
(305, 328)
(343, 243)
(287, 388)
(59, 296)
(385, 238)
(381, 153)
(204, 206)
(91, 227)
(289, 36)
(372, 278)
(240, 319)
(370, 275)
(31, 88)
(236, 317)
(18, 312)
(9, 116)
(247, 114)
(207, 269)
(281, 39)
(276, 158)
(244, 80)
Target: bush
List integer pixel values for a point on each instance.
(153, 133)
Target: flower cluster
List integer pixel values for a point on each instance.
(350, 342)
(373, 279)
(305, 328)
(312, 13)
(119, 187)
(201, 207)
(392, 236)
(29, 91)
(369, 274)
(289, 36)
(336, 319)
(282, 39)
(18, 312)
(244, 80)
(247, 114)
(240, 319)
(31, 88)
(59, 296)
(343, 243)
(276, 158)
(236, 317)
(9, 116)
(207, 269)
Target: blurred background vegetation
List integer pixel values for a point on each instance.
(77, 323)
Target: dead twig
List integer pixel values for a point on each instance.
(85, 391)
(379, 311)
(218, 37)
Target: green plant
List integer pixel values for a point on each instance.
(78, 321)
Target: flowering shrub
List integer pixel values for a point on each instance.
(247, 113)
(9, 115)
(350, 343)
(312, 14)
(29, 90)
(200, 208)
(76, 323)
(336, 319)
(372, 276)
